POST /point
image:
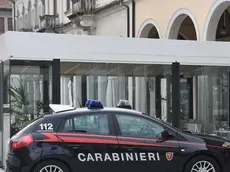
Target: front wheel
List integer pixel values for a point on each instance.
(51, 166)
(202, 164)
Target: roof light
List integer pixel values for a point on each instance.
(56, 108)
(87, 103)
(124, 104)
(95, 104)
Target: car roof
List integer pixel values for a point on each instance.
(85, 110)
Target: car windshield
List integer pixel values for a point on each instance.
(166, 123)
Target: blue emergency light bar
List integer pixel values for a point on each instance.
(94, 104)
(87, 103)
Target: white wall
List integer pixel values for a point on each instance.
(115, 17)
(28, 19)
(112, 23)
(39, 11)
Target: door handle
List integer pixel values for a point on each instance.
(129, 148)
(113, 146)
(76, 146)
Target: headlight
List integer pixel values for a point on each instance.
(226, 144)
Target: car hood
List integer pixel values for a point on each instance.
(211, 140)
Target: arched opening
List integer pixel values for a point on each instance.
(150, 31)
(222, 30)
(217, 23)
(183, 28)
(153, 33)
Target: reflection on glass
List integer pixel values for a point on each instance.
(29, 94)
(205, 107)
(145, 86)
(203, 91)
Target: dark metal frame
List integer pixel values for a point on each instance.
(56, 77)
(228, 98)
(158, 96)
(1, 95)
(176, 94)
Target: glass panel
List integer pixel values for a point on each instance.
(138, 127)
(214, 82)
(204, 99)
(29, 92)
(147, 87)
(93, 124)
(4, 112)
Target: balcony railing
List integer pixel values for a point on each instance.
(49, 21)
(80, 7)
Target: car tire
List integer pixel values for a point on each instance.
(194, 163)
(50, 164)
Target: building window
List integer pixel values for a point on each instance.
(24, 17)
(55, 7)
(10, 24)
(36, 13)
(29, 15)
(91, 123)
(68, 5)
(2, 25)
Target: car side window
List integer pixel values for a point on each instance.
(92, 124)
(134, 126)
(68, 125)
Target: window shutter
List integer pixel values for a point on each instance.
(10, 24)
(2, 25)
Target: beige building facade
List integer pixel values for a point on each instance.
(205, 20)
(204, 89)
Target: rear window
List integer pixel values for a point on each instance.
(30, 127)
(42, 124)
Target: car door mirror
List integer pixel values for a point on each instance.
(165, 134)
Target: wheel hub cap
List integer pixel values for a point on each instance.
(203, 166)
(51, 168)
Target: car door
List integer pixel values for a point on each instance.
(88, 141)
(141, 144)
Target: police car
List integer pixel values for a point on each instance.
(101, 139)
